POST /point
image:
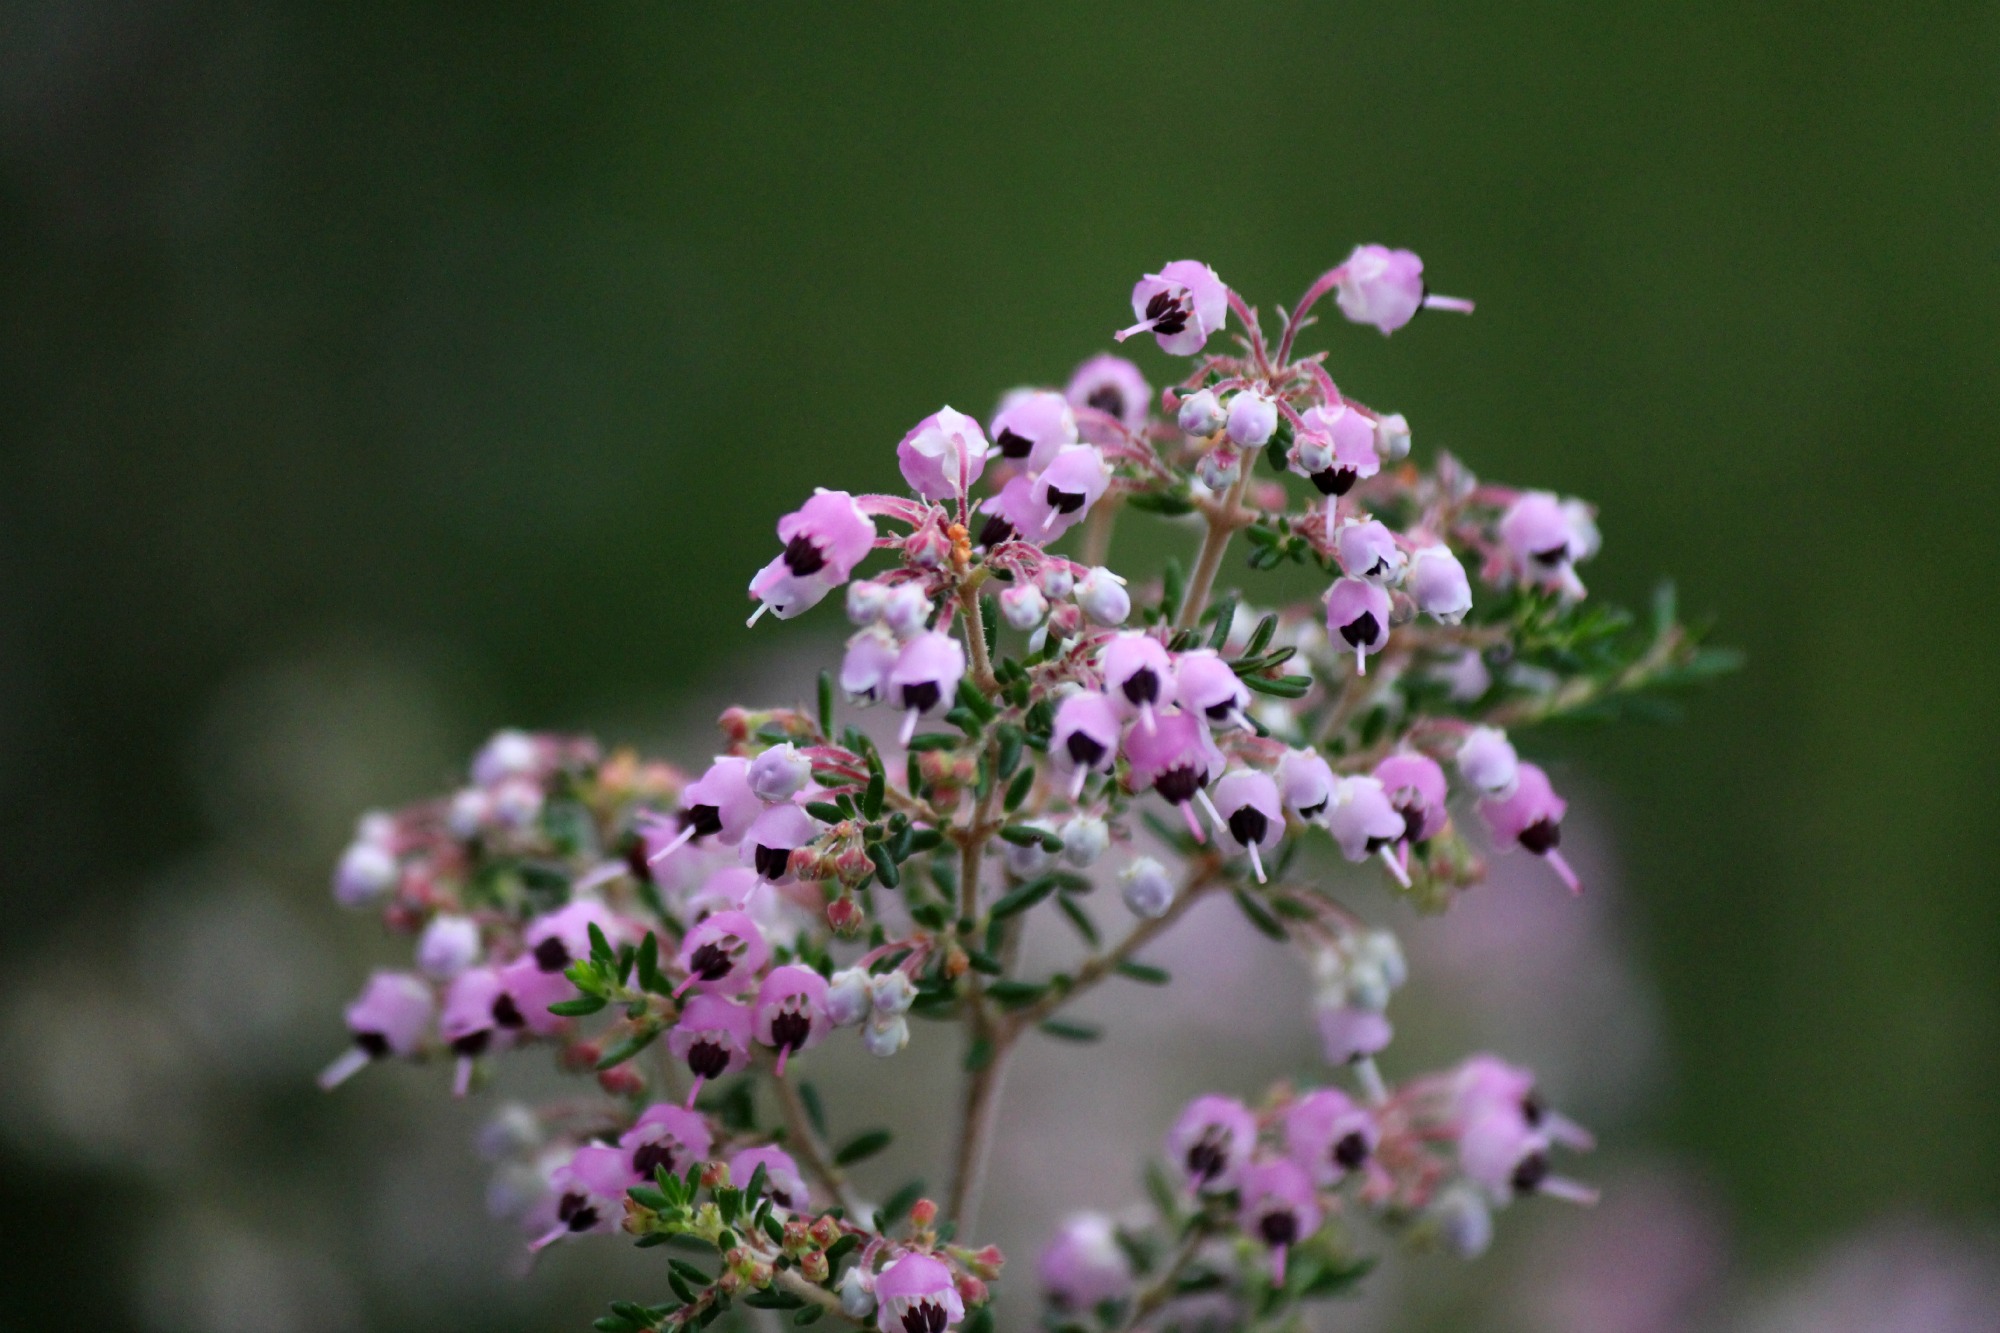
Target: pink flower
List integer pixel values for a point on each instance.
(562, 937)
(1545, 539)
(1364, 823)
(780, 773)
(1180, 306)
(448, 946)
(1532, 816)
(665, 1136)
(1505, 1133)
(1176, 759)
(390, 1017)
(1085, 739)
(590, 1193)
(1251, 815)
(529, 991)
(468, 1023)
(1112, 385)
(1032, 427)
(367, 873)
(723, 955)
(1280, 1208)
(917, 1295)
(943, 455)
(1357, 613)
(1306, 782)
(871, 656)
(1335, 449)
(1328, 1135)
(1205, 684)
(1487, 762)
(925, 677)
(1416, 788)
(782, 1180)
(1083, 1264)
(824, 540)
(1138, 676)
(791, 1011)
(712, 1037)
(1059, 497)
(1252, 420)
(1367, 550)
(1348, 1033)
(778, 832)
(1211, 1143)
(1386, 288)
(720, 803)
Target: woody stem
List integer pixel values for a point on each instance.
(1223, 521)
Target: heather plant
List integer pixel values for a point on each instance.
(694, 941)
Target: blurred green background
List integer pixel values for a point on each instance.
(492, 338)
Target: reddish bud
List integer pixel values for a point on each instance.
(844, 915)
(924, 1214)
(622, 1081)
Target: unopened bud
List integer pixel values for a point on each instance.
(1201, 414)
(923, 1214)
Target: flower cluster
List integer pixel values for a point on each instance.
(692, 938)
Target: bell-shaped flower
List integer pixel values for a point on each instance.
(1305, 782)
(1279, 1207)
(1112, 385)
(782, 1179)
(1505, 1133)
(1084, 839)
(1031, 428)
(1462, 1220)
(557, 939)
(470, 1020)
(925, 677)
(864, 671)
(589, 1191)
(509, 753)
(391, 1016)
(449, 945)
(1367, 549)
(1386, 288)
(1147, 888)
(1357, 614)
(791, 1011)
(1180, 306)
(666, 1136)
(917, 1294)
(1416, 789)
(1022, 606)
(1252, 419)
(943, 455)
(723, 955)
(718, 804)
(885, 1034)
(1102, 596)
(1083, 1265)
(528, 991)
(1250, 814)
(849, 998)
(1176, 759)
(1532, 816)
(1542, 543)
(1392, 437)
(1138, 676)
(779, 774)
(825, 538)
(1365, 824)
(1329, 1136)
(1059, 497)
(711, 1037)
(781, 593)
(1205, 684)
(1486, 760)
(1341, 442)
(1210, 1144)
(906, 610)
(1437, 583)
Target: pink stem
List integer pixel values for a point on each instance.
(1325, 283)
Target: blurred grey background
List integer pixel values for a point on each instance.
(377, 374)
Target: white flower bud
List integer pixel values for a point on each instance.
(865, 601)
(779, 773)
(1464, 1222)
(1392, 438)
(906, 610)
(1026, 862)
(1252, 419)
(1057, 582)
(1201, 413)
(367, 872)
(1147, 888)
(849, 998)
(448, 946)
(1023, 606)
(1219, 469)
(856, 1300)
(1488, 762)
(513, 1129)
(892, 992)
(1084, 839)
(468, 814)
(884, 1036)
(1103, 598)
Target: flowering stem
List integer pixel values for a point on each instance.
(793, 1281)
(1096, 969)
(975, 1128)
(1223, 521)
(1162, 1288)
(803, 1141)
(975, 635)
